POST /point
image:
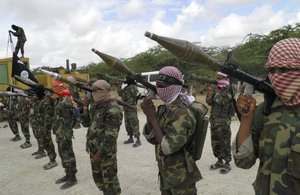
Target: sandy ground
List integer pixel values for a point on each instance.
(21, 174)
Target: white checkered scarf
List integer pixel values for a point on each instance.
(170, 93)
(286, 53)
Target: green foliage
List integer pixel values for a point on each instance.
(253, 54)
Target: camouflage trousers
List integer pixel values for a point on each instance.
(13, 125)
(186, 190)
(38, 134)
(25, 128)
(49, 146)
(105, 175)
(67, 156)
(221, 138)
(132, 123)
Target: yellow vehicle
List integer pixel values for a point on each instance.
(6, 69)
(5, 73)
(46, 79)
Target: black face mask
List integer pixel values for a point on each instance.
(169, 80)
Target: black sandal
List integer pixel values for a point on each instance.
(226, 168)
(216, 165)
(25, 145)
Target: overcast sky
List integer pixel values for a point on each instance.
(57, 30)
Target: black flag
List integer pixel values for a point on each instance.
(20, 69)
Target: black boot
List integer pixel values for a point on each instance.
(62, 180)
(71, 182)
(26, 145)
(38, 151)
(16, 138)
(137, 143)
(41, 153)
(129, 141)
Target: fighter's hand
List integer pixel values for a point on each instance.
(96, 158)
(246, 104)
(148, 108)
(86, 103)
(209, 88)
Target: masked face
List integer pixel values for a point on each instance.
(283, 68)
(167, 93)
(287, 86)
(169, 84)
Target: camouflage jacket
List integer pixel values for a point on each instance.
(24, 109)
(275, 142)
(129, 94)
(48, 111)
(12, 104)
(220, 101)
(33, 110)
(63, 118)
(104, 124)
(176, 165)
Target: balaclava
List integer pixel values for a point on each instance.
(222, 80)
(101, 92)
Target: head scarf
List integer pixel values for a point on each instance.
(60, 89)
(101, 92)
(170, 93)
(286, 54)
(70, 78)
(222, 80)
(14, 27)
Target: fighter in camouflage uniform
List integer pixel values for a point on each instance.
(220, 100)
(104, 120)
(129, 95)
(75, 96)
(170, 130)
(48, 143)
(34, 121)
(274, 139)
(63, 123)
(24, 109)
(12, 116)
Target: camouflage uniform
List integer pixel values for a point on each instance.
(63, 122)
(12, 103)
(129, 95)
(104, 124)
(275, 141)
(177, 169)
(35, 122)
(75, 95)
(48, 109)
(39, 123)
(24, 109)
(222, 110)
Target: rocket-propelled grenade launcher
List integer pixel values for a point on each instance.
(191, 53)
(118, 65)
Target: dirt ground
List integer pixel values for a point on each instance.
(21, 174)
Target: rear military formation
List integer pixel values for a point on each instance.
(170, 127)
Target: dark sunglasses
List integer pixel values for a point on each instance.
(169, 80)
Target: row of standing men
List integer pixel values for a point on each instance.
(273, 138)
